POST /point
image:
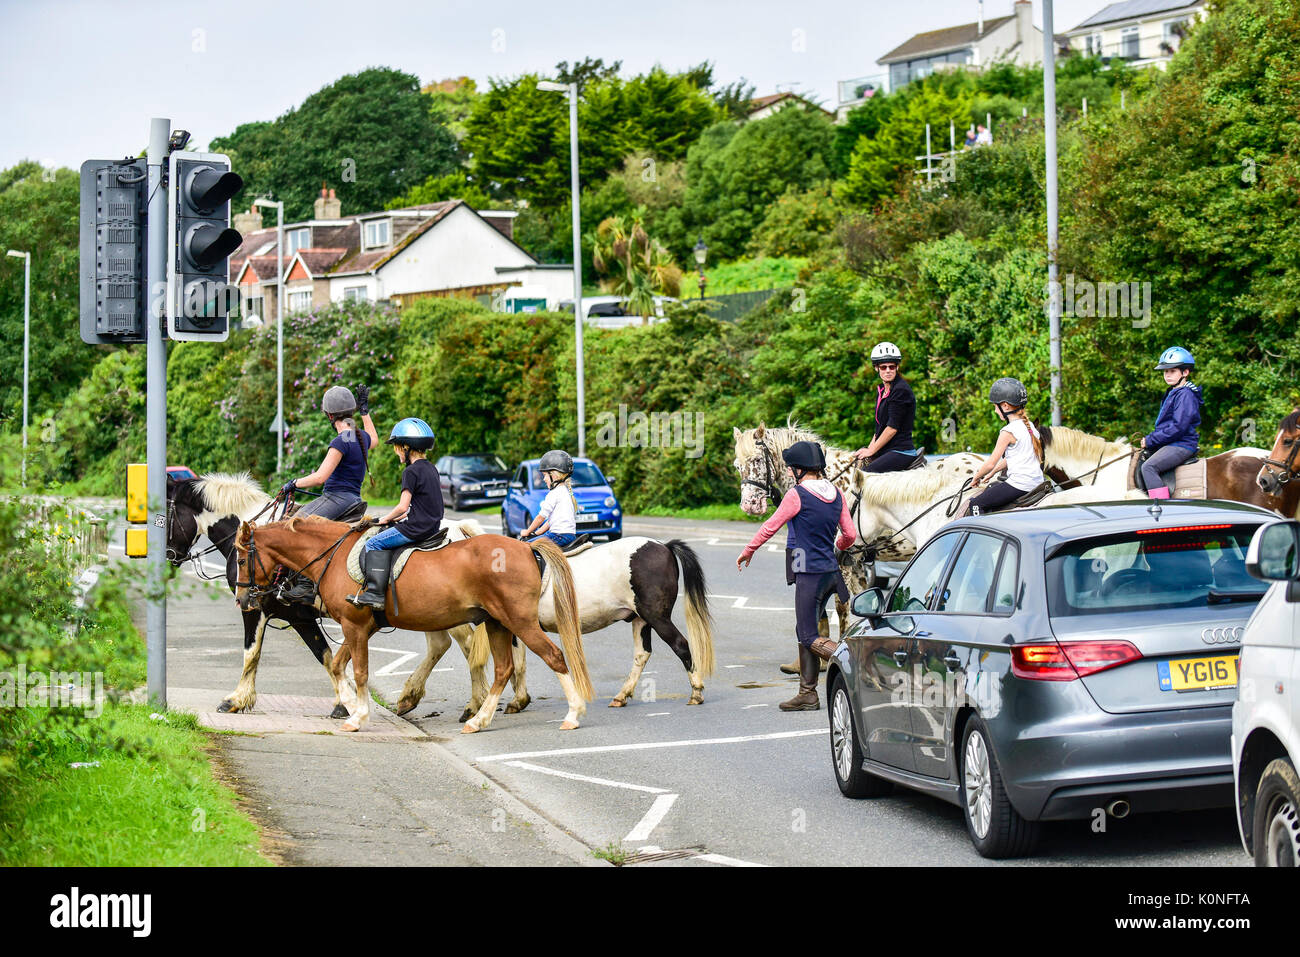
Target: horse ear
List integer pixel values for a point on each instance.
(758, 432)
(735, 433)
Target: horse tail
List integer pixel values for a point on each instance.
(699, 620)
(567, 621)
(479, 647)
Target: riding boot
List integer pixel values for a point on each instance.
(378, 564)
(806, 699)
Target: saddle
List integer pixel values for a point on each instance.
(297, 588)
(1184, 481)
(401, 555)
(580, 544)
(1027, 500)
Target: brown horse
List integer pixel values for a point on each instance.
(1280, 473)
(489, 578)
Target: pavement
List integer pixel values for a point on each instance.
(732, 782)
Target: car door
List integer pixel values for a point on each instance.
(882, 651)
(515, 496)
(946, 640)
(444, 477)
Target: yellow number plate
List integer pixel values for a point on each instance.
(1198, 674)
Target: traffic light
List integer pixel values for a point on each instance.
(199, 243)
(114, 230)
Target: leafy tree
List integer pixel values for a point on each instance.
(518, 138)
(636, 266)
(586, 71)
(800, 223)
(435, 189)
(370, 135)
(450, 103)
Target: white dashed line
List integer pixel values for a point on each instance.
(657, 811)
(748, 706)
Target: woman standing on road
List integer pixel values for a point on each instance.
(813, 509)
(346, 459)
(892, 449)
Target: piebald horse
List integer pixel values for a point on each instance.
(488, 578)
(630, 579)
(214, 505)
(764, 478)
(1232, 475)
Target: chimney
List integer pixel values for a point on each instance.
(979, 29)
(327, 206)
(1024, 11)
(249, 222)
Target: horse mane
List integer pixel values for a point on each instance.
(911, 487)
(225, 494)
(1061, 442)
(1291, 422)
(782, 438)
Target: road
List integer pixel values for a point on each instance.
(734, 779)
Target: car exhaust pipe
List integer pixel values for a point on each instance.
(1118, 808)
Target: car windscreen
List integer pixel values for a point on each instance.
(473, 464)
(585, 475)
(1151, 568)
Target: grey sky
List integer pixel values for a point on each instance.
(211, 66)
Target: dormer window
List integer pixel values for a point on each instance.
(378, 233)
(296, 239)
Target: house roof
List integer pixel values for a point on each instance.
(938, 41)
(1133, 9)
(771, 99)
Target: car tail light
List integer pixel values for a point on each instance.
(1067, 660)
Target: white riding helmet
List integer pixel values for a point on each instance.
(886, 352)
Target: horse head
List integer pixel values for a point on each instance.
(761, 470)
(184, 505)
(254, 574)
(1281, 466)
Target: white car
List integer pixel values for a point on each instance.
(1266, 716)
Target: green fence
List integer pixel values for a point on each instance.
(732, 306)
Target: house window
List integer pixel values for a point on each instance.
(253, 307)
(1128, 41)
(295, 240)
(1092, 44)
(355, 292)
(300, 301)
(377, 233)
(1174, 31)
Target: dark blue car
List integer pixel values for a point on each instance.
(599, 512)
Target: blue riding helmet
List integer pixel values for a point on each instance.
(1175, 357)
(413, 433)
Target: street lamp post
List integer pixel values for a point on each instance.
(1053, 247)
(572, 90)
(279, 328)
(701, 254)
(27, 335)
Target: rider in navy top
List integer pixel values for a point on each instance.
(346, 459)
(1175, 438)
(417, 515)
(892, 449)
(813, 509)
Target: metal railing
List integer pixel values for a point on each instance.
(731, 306)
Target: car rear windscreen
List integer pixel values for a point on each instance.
(1151, 568)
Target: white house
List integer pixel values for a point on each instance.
(1143, 32)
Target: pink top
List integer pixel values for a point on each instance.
(789, 508)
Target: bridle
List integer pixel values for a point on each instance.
(280, 571)
(769, 488)
(1288, 468)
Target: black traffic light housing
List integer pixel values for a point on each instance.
(199, 243)
(114, 251)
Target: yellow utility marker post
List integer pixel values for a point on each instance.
(137, 511)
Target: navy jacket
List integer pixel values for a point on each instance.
(1180, 414)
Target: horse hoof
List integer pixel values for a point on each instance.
(569, 726)
(225, 707)
(339, 712)
(696, 699)
(404, 706)
(465, 715)
(515, 706)
(350, 726)
(617, 702)
(468, 729)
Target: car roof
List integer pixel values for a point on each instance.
(1061, 523)
(531, 462)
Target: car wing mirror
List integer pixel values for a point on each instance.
(609, 480)
(516, 484)
(869, 604)
(1274, 553)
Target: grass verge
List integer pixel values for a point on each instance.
(146, 797)
(702, 513)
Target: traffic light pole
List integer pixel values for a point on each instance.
(156, 412)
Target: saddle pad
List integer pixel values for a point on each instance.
(1189, 480)
(579, 549)
(399, 560)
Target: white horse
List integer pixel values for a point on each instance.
(631, 579)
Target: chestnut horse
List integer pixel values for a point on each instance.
(1280, 473)
(489, 578)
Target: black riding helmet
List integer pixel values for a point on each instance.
(805, 455)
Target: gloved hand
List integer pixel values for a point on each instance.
(363, 399)
(288, 488)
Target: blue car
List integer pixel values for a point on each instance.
(599, 513)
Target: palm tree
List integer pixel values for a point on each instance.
(635, 265)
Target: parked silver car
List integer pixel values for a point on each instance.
(1054, 663)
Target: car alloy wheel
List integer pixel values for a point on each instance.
(1277, 816)
(842, 734)
(1282, 843)
(979, 791)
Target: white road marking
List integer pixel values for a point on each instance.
(748, 706)
(656, 714)
(742, 601)
(728, 861)
(733, 666)
(652, 818)
(651, 745)
(589, 780)
(391, 667)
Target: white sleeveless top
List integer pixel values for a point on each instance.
(1023, 469)
(558, 507)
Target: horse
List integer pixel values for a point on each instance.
(486, 578)
(763, 477)
(1096, 462)
(1281, 469)
(214, 505)
(631, 579)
